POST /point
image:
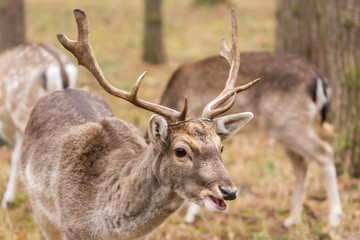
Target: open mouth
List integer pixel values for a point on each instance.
(214, 204)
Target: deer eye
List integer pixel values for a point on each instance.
(222, 148)
(180, 152)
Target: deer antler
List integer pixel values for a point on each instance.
(82, 50)
(233, 56)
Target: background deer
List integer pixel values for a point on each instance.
(27, 73)
(92, 176)
(286, 104)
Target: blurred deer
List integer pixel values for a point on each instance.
(27, 73)
(90, 175)
(288, 104)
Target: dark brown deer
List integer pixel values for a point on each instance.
(27, 73)
(90, 175)
(286, 104)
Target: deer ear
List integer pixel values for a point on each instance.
(158, 130)
(229, 125)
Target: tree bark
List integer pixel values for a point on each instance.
(327, 32)
(153, 44)
(12, 23)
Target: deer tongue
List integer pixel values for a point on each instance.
(219, 202)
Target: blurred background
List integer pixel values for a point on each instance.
(325, 32)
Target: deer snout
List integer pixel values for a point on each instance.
(228, 193)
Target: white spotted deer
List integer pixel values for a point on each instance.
(288, 104)
(27, 73)
(90, 175)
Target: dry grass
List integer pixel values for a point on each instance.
(255, 164)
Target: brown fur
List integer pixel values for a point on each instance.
(279, 74)
(285, 104)
(281, 101)
(92, 176)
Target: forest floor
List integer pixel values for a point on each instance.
(256, 164)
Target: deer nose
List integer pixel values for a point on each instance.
(228, 194)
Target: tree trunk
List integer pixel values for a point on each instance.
(12, 23)
(153, 44)
(327, 32)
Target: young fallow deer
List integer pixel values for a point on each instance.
(286, 104)
(92, 176)
(27, 73)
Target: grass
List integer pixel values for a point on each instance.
(256, 165)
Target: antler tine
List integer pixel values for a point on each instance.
(233, 57)
(225, 51)
(217, 111)
(82, 50)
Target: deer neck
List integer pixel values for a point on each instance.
(140, 199)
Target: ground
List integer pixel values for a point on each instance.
(255, 163)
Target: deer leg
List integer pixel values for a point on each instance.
(192, 212)
(15, 163)
(307, 143)
(325, 158)
(333, 195)
(323, 154)
(300, 168)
